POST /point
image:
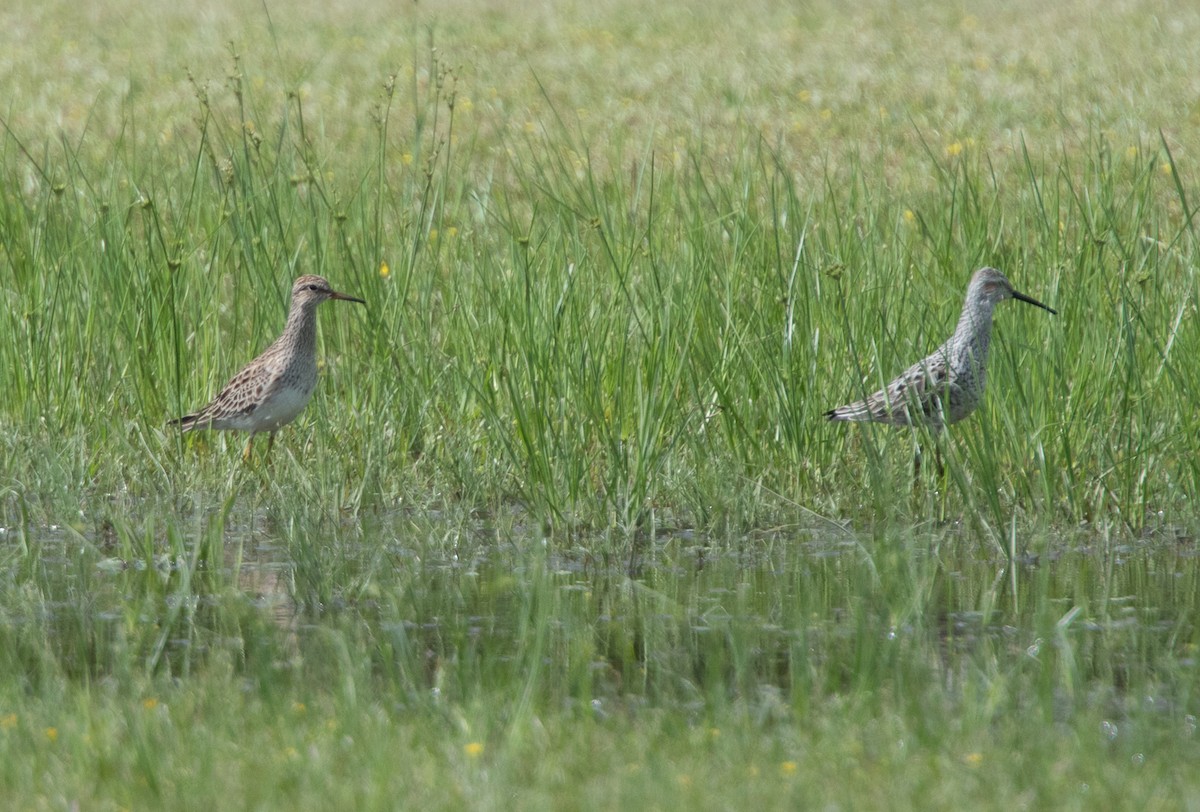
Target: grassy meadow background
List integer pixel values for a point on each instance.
(563, 526)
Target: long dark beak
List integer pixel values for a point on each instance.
(333, 294)
(1024, 298)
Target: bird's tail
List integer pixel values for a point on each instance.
(190, 421)
(859, 410)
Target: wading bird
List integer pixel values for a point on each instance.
(275, 387)
(947, 385)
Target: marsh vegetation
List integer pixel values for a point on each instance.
(563, 525)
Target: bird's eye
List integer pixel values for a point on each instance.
(313, 287)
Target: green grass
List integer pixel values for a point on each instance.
(564, 525)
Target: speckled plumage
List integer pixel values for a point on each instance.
(274, 388)
(947, 385)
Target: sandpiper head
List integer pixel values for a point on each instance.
(312, 290)
(990, 286)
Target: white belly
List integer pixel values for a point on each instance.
(281, 408)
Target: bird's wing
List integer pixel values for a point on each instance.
(919, 389)
(245, 391)
(915, 392)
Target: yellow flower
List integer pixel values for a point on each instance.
(1165, 167)
(804, 95)
(150, 703)
(291, 753)
(788, 767)
(973, 759)
(433, 235)
(909, 217)
(384, 270)
(473, 749)
(1131, 152)
(955, 149)
(465, 104)
(826, 114)
(406, 159)
(8, 721)
(52, 734)
(451, 232)
(300, 707)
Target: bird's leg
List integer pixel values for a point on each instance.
(270, 442)
(917, 468)
(940, 473)
(246, 453)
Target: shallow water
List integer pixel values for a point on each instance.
(799, 610)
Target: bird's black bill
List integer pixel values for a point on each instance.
(333, 294)
(1022, 297)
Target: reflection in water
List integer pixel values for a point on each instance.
(770, 614)
(267, 584)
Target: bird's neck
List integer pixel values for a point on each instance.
(974, 331)
(301, 328)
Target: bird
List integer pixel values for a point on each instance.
(948, 384)
(274, 388)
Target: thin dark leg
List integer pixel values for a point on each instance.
(941, 482)
(249, 444)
